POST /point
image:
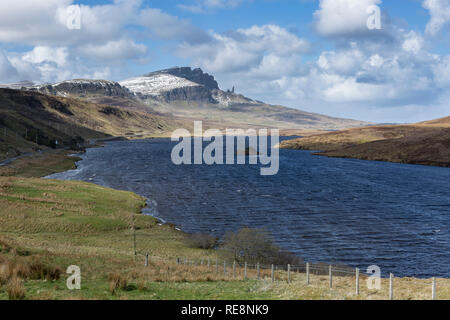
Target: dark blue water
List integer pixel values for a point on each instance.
(357, 213)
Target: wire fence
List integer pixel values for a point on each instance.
(289, 273)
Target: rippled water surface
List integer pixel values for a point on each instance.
(353, 212)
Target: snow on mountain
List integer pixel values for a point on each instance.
(230, 98)
(157, 84)
(185, 84)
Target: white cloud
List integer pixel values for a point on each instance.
(43, 54)
(413, 42)
(204, 6)
(441, 71)
(244, 49)
(343, 17)
(166, 26)
(123, 49)
(342, 62)
(440, 15)
(7, 71)
(106, 40)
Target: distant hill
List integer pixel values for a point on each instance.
(191, 94)
(31, 121)
(426, 143)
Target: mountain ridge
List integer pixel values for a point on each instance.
(184, 92)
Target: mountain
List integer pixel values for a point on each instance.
(194, 75)
(426, 143)
(191, 94)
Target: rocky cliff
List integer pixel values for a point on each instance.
(176, 84)
(194, 75)
(84, 88)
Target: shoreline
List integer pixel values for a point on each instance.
(99, 143)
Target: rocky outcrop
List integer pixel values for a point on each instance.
(194, 75)
(165, 87)
(84, 88)
(195, 93)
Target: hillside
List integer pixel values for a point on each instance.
(189, 94)
(426, 143)
(31, 121)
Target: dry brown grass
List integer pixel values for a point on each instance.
(116, 282)
(16, 262)
(163, 271)
(424, 143)
(15, 289)
(344, 288)
(39, 165)
(28, 268)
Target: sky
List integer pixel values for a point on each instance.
(315, 55)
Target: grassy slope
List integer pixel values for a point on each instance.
(66, 223)
(40, 165)
(255, 116)
(27, 115)
(425, 143)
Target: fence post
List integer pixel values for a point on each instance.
(245, 271)
(330, 271)
(258, 270)
(357, 281)
(433, 289)
(307, 273)
(224, 269)
(134, 234)
(146, 259)
(178, 260)
(234, 269)
(391, 287)
(289, 273)
(273, 273)
(185, 261)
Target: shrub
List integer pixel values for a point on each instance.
(201, 241)
(116, 281)
(28, 268)
(15, 289)
(42, 271)
(5, 273)
(253, 246)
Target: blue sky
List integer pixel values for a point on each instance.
(315, 55)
